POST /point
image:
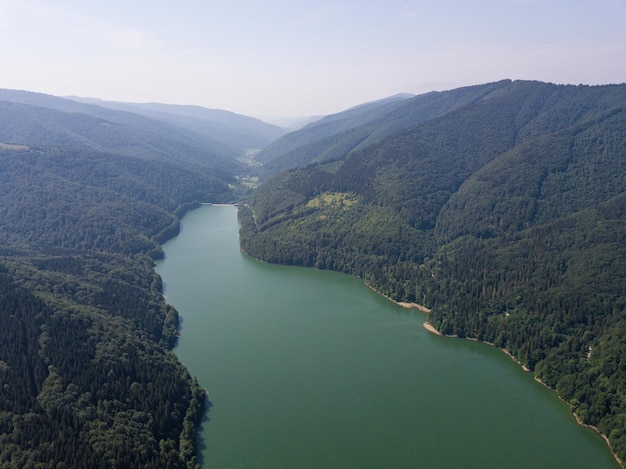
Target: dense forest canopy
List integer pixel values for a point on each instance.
(501, 207)
(87, 375)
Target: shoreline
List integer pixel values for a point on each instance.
(581, 423)
(404, 304)
(430, 328)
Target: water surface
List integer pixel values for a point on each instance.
(311, 369)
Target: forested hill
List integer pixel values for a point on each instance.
(332, 136)
(504, 212)
(87, 375)
(232, 133)
(191, 134)
(336, 136)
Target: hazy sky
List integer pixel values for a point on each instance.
(295, 58)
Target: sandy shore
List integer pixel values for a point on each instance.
(429, 327)
(404, 304)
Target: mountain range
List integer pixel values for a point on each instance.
(190, 133)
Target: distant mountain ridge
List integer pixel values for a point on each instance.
(324, 127)
(235, 132)
(221, 134)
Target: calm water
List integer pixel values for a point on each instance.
(311, 369)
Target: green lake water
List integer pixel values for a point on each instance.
(311, 369)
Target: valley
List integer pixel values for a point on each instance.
(498, 207)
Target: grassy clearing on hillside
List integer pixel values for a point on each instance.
(333, 199)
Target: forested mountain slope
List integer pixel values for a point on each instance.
(49, 120)
(233, 133)
(505, 214)
(338, 135)
(316, 141)
(88, 376)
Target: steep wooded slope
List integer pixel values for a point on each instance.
(90, 380)
(330, 137)
(505, 215)
(336, 136)
(86, 197)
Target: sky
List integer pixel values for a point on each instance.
(292, 58)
